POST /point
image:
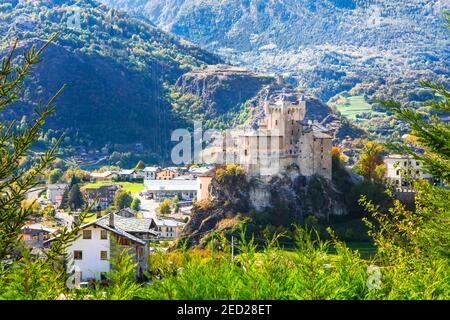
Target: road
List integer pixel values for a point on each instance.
(65, 218)
(148, 207)
(34, 193)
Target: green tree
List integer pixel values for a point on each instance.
(139, 166)
(75, 198)
(14, 145)
(122, 199)
(65, 199)
(164, 207)
(27, 277)
(136, 204)
(175, 201)
(431, 133)
(371, 163)
(55, 175)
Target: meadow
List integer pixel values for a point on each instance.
(354, 106)
(131, 187)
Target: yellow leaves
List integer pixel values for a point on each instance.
(28, 204)
(409, 138)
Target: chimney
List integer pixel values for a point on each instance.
(99, 212)
(111, 220)
(75, 219)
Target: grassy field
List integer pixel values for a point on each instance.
(353, 106)
(131, 187)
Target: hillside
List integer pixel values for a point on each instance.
(327, 46)
(129, 82)
(117, 70)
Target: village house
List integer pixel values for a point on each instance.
(130, 174)
(127, 213)
(198, 171)
(104, 193)
(402, 170)
(185, 189)
(98, 240)
(150, 173)
(104, 176)
(167, 174)
(168, 229)
(34, 235)
(55, 193)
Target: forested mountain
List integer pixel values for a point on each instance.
(328, 46)
(117, 70)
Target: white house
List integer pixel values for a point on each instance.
(185, 189)
(401, 169)
(107, 175)
(150, 173)
(97, 241)
(168, 229)
(55, 193)
(130, 174)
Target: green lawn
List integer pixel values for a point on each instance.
(131, 187)
(353, 106)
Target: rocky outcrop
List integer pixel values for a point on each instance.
(220, 89)
(287, 198)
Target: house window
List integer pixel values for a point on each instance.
(87, 234)
(103, 255)
(78, 255)
(103, 234)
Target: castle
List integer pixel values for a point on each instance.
(282, 138)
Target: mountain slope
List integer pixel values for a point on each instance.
(117, 70)
(329, 46)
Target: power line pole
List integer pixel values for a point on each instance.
(232, 248)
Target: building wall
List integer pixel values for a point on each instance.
(166, 174)
(203, 184)
(315, 156)
(400, 168)
(166, 232)
(91, 265)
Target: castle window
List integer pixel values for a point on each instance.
(276, 122)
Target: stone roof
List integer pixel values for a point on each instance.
(129, 225)
(169, 223)
(151, 169)
(57, 186)
(36, 228)
(171, 185)
(102, 190)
